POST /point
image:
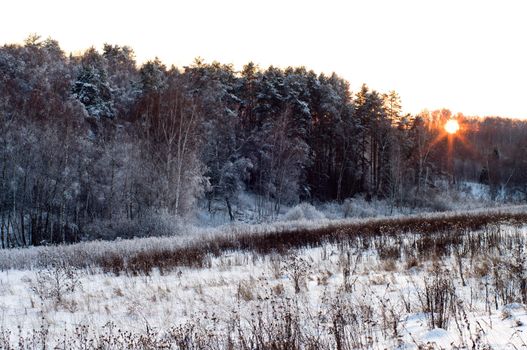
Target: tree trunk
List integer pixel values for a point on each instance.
(229, 208)
(2, 232)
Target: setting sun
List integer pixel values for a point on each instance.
(452, 126)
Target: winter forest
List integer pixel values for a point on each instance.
(97, 146)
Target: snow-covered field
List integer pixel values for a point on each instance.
(462, 288)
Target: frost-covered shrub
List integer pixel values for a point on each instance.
(359, 207)
(297, 269)
(432, 201)
(55, 281)
(151, 224)
(303, 211)
(160, 224)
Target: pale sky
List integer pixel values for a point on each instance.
(468, 56)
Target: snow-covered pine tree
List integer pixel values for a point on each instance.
(92, 87)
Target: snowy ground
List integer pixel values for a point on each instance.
(376, 295)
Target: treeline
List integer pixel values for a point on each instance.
(95, 146)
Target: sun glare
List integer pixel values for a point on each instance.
(452, 126)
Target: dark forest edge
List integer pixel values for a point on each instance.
(93, 143)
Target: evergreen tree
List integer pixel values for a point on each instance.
(92, 87)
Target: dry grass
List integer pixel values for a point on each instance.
(357, 270)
